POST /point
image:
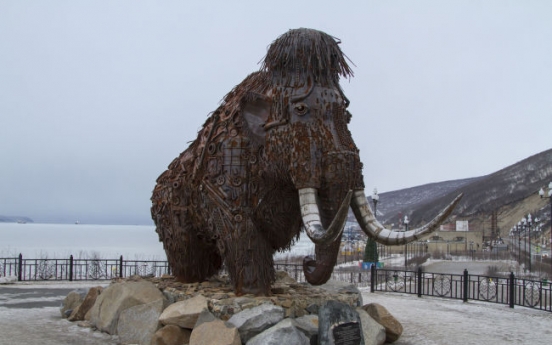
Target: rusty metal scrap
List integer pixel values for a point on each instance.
(232, 197)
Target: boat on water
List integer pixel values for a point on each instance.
(20, 221)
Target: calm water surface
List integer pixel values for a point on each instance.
(82, 240)
(139, 242)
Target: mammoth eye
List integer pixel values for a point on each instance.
(301, 108)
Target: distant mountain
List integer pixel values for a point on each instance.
(482, 195)
(14, 219)
(404, 201)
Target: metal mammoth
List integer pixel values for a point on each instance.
(275, 158)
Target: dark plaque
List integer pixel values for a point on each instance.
(347, 334)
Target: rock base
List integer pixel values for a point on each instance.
(297, 299)
(180, 313)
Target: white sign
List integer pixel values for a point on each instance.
(462, 225)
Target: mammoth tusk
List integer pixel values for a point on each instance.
(369, 224)
(311, 217)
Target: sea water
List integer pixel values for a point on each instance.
(58, 241)
(35, 240)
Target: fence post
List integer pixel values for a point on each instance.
(121, 267)
(372, 278)
(466, 285)
(420, 281)
(512, 290)
(19, 267)
(71, 268)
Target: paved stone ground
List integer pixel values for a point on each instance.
(29, 315)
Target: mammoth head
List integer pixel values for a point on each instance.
(301, 120)
(305, 129)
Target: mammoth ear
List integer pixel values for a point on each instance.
(255, 112)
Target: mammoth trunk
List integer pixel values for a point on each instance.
(325, 211)
(324, 226)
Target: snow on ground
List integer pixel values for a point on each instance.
(44, 326)
(429, 321)
(479, 267)
(81, 284)
(426, 321)
(29, 314)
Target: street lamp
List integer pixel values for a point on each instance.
(537, 239)
(375, 199)
(406, 244)
(524, 226)
(518, 230)
(542, 195)
(529, 222)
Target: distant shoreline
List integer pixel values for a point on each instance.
(15, 219)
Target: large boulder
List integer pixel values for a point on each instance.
(184, 313)
(80, 311)
(138, 324)
(118, 297)
(72, 301)
(171, 335)
(251, 322)
(343, 288)
(216, 332)
(308, 324)
(205, 316)
(374, 333)
(284, 332)
(393, 328)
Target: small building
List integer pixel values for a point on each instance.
(451, 238)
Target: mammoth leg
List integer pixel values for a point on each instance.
(191, 257)
(248, 257)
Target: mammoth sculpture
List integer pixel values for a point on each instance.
(275, 158)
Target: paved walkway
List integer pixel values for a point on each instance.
(29, 315)
(432, 321)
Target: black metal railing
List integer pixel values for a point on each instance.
(508, 290)
(72, 269)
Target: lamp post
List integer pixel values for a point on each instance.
(512, 240)
(406, 244)
(375, 199)
(529, 222)
(524, 228)
(518, 230)
(371, 247)
(542, 195)
(536, 238)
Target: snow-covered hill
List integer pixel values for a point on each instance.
(482, 195)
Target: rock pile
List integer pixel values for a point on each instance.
(161, 311)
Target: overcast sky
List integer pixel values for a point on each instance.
(98, 97)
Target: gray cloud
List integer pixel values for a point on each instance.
(97, 98)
